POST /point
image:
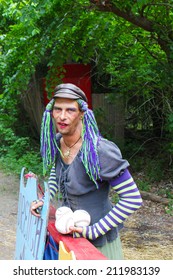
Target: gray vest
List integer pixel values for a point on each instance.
(79, 192)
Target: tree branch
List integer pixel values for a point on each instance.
(150, 53)
(154, 197)
(139, 21)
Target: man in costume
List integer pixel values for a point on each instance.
(85, 166)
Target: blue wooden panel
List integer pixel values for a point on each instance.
(31, 230)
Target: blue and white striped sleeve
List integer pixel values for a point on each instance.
(129, 201)
(52, 182)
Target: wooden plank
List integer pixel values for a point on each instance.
(81, 247)
(112, 112)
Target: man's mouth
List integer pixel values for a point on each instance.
(62, 125)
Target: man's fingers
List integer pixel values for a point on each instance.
(36, 207)
(76, 229)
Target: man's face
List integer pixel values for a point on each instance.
(67, 115)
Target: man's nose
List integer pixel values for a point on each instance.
(63, 114)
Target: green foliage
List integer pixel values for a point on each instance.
(16, 151)
(30, 160)
(167, 191)
(169, 127)
(143, 185)
(7, 121)
(169, 208)
(55, 31)
(7, 138)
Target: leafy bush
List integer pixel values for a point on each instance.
(7, 138)
(30, 160)
(21, 146)
(143, 185)
(169, 127)
(17, 152)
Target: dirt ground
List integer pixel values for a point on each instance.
(147, 234)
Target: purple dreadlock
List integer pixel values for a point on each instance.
(90, 137)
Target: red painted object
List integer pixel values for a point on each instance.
(78, 74)
(81, 247)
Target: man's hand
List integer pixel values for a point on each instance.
(35, 207)
(76, 229)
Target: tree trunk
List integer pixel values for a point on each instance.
(33, 104)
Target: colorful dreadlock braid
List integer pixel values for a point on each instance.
(90, 137)
(48, 138)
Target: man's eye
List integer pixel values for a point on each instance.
(71, 110)
(56, 109)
